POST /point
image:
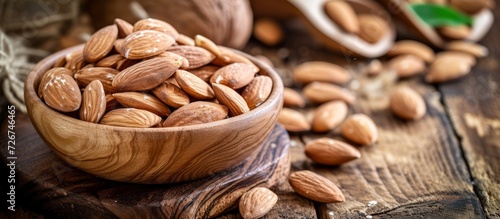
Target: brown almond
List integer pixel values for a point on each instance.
(328, 151)
(230, 98)
(104, 74)
(157, 25)
(100, 43)
(205, 72)
(185, 40)
(329, 115)
(372, 28)
(321, 92)
(124, 27)
(140, 100)
(125, 63)
(60, 62)
(407, 104)
(109, 61)
(75, 61)
(171, 95)
(185, 62)
(62, 93)
(462, 56)
(145, 43)
(93, 102)
(257, 91)
(374, 68)
(194, 85)
(207, 44)
(472, 48)
(315, 187)
(256, 202)
(411, 47)
(472, 6)
(292, 98)
(118, 44)
(406, 65)
(198, 112)
(449, 66)
(360, 129)
(130, 117)
(320, 71)
(229, 56)
(196, 56)
(459, 32)
(49, 75)
(235, 76)
(268, 31)
(343, 15)
(293, 120)
(111, 103)
(146, 75)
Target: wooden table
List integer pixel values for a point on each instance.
(446, 165)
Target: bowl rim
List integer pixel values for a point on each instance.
(46, 63)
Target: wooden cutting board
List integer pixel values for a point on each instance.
(47, 185)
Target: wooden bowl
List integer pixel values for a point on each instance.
(152, 155)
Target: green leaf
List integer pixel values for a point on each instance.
(439, 15)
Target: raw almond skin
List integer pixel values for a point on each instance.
(235, 76)
(448, 67)
(49, 75)
(100, 43)
(171, 95)
(360, 129)
(196, 56)
(458, 56)
(111, 103)
(320, 71)
(146, 75)
(372, 28)
(194, 85)
(75, 61)
(230, 98)
(62, 93)
(140, 100)
(406, 65)
(292, 98)
(185, 62)
(130, 117)
(93, 102)
(198, 112)
(257, 91)
(343, 15)
(293, 120)
(411, 47)
(268, 31)
(124, 28)
(328, 151)
(329, 115)
(206, 72)
(109, 61)
(145, 43)
(207, 44)
(229, 56)
(118, 44)
(184, 40)
(125, 63)
(256, 202)
(104, 74)
(474, 49)
(321, 92)
(407, 104)
(455, 32)
(315, 187)
(157, 25)
(60, 62)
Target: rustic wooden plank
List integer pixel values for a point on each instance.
(473, 104)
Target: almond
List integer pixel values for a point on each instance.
(229, 56)
(256, 202)
(104, 74)
(207, 44)
(406, 65)
(292, 98)
(257, 91)
(124, 28)
(235, 76)
(145, 43)
(111, 103)
(185, 62)
(109, 61)
(474, 49)
(411, 47)
(462, 56)
(146, 75)
(315, 187)
(321, 92)
(459, 32)
(472, 6)
(93, 102)
(196, 56)
(230, 98)
(193, 85)
(329, 115)
(100, 43)
(49, 75)
(206, 72)
(343, 15)
(130, 117)
(360, 129)
(125, 63)
(184, 40)
(157, 25)
(140, 100)
(449, 66)
(75, 61)
(374, 67)
(118, 44)
(196, 113)
(406, 103)
(293, 120)
(60, 62)
(62, 93)
(171, 95)
(320, 71)
(328, 151)
(268, 31)
(372, 28)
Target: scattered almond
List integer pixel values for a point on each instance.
(315, 187)
(360, 129)
(293, 120)
(321, 92)
(292, 98)
(329, 115)
(268, 31)
(256, 202)
(406, 65)
(474, 49)
(320, 71)
(411, 47)
(328, 151)
(406, 103)
(455, 32)
(449, 66)
(374, 67)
